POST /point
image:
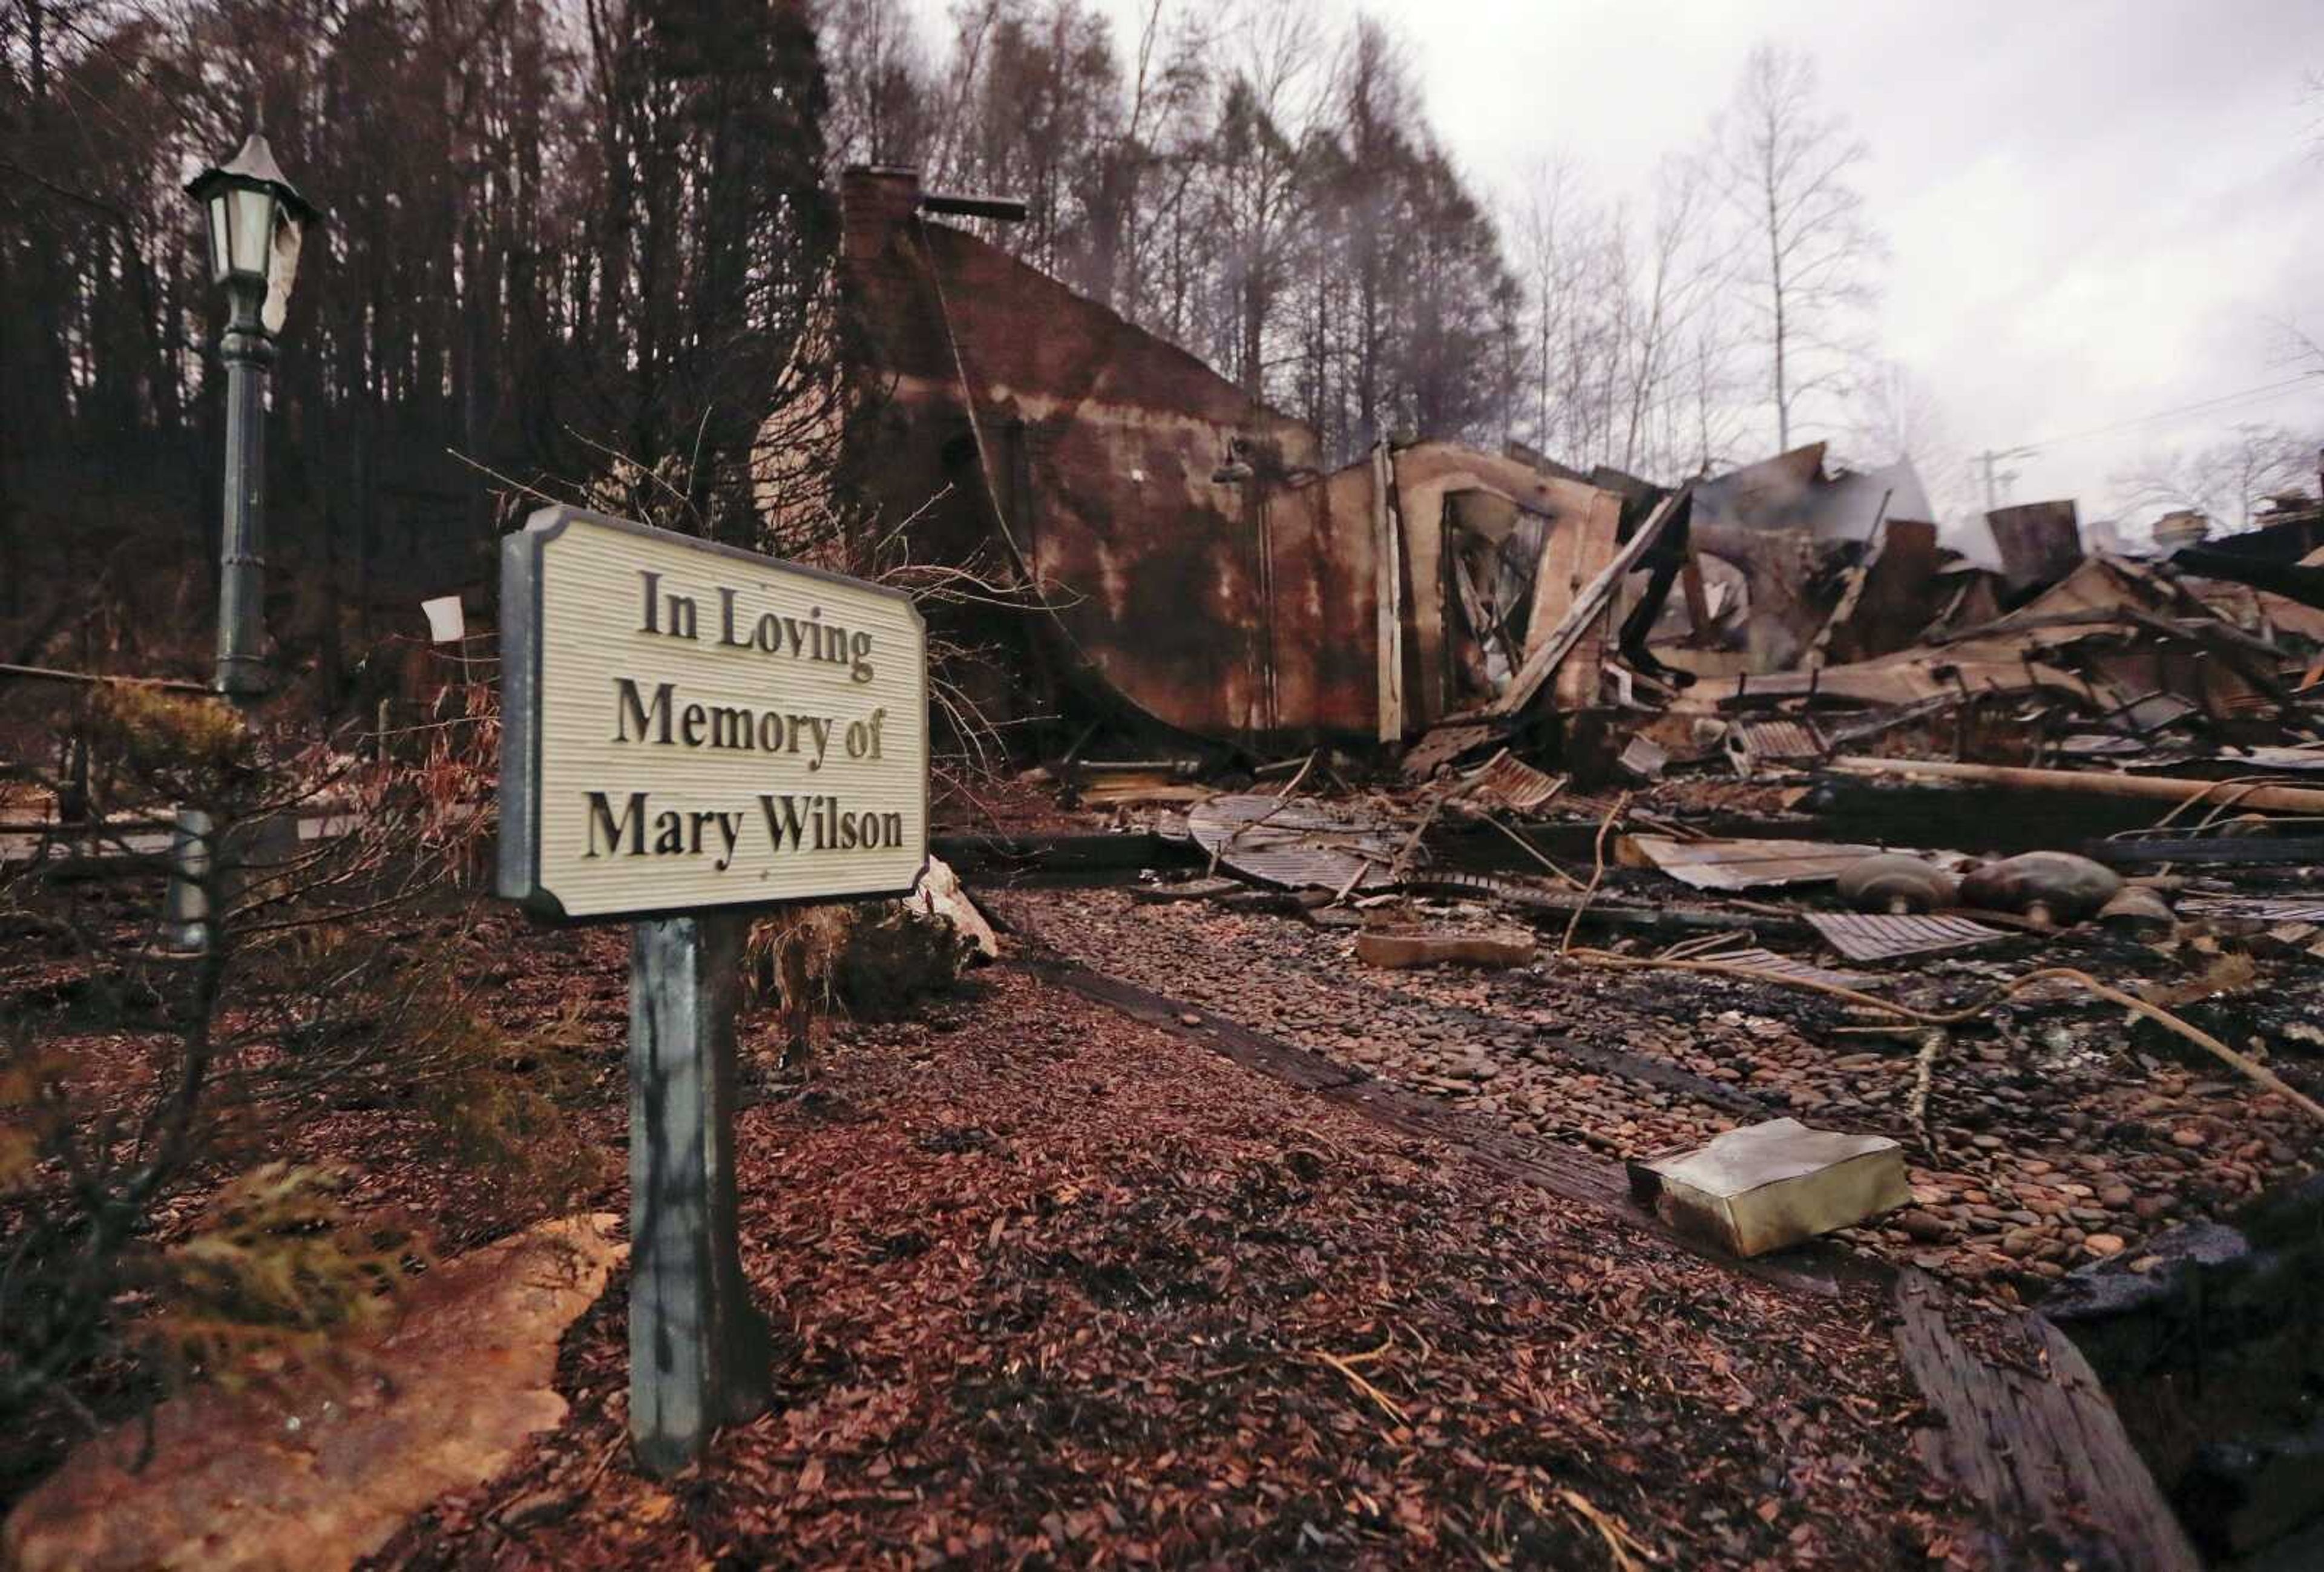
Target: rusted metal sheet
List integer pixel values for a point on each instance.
(1762, 742)
(1862, 935)
(1514, 783)
(1189, 563)
(1445, 743)
(2039, 543)
(1183, 554)
(1898, 593)
(1745, 865)
(1294, 842)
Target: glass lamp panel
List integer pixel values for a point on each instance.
(252, 229)
(217, 239)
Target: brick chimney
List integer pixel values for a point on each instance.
(872, 201)
(2180, 528)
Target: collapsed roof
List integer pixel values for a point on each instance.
(1187, 564)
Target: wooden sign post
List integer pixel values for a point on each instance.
(691, 733)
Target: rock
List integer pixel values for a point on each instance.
(2053, 886)
(938, 893)
(1925, 1226)
(1896, 884)
(2187, 1136)
(237, 1481)
(2136, 906)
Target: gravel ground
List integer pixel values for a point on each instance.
(2057, 1132)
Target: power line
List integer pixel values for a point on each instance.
(1992, 457)
(2197, 407)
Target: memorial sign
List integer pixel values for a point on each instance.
(689, 727)
(687, 733)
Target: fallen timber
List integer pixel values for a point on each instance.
(2038, 1439)
(1071, 852)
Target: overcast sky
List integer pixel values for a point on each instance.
(2094, 211)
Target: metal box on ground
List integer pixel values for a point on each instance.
(1765, 1186)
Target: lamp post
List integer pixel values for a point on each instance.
(256, 216)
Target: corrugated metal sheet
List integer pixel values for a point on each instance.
(1292, 842)
(1863, 935)
(2258, 908)
(1446, 742)
(2298, 761)
(1512, 781)
(1776, 739)
(1747, 865)
(1782, 968)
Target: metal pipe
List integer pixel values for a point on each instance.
(2090, 784)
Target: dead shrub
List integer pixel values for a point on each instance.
(505, 1109)
(867, 962)
(279, 1271)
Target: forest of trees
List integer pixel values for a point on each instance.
(1271, 194)
(560, 229)
(552, 232)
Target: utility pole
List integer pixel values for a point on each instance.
(1994, 480)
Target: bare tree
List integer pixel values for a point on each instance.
(1626, 347)
(1261, 194)
(1809, 274)
(1574, 266)
(2224, 480)
(1897, 416)
(880, 84)
(1669, 292)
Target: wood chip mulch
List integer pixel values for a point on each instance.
(1054, 1288)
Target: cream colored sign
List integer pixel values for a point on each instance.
(688, 726)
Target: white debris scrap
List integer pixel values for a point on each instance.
(939, 895)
